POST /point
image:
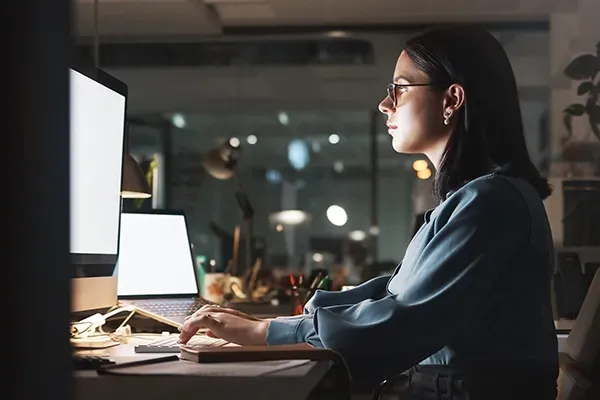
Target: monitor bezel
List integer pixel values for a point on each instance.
(89, 264)
(175, 212)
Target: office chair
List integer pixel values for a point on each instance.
(579, 375)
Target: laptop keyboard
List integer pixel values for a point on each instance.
(170, 308)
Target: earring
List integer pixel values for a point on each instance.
(447, 115)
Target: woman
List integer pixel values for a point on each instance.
(471, 303)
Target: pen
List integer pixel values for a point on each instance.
(323, 282)
(137, 363)
(314, 286)
(315, 281)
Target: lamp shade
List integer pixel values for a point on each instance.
(134, 185)
(220, 162)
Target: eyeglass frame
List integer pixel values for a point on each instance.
(392, 87)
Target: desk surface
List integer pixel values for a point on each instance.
(292, 380)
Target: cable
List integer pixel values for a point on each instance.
(89, 332)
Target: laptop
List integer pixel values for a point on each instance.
(156, 270)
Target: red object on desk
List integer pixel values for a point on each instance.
(297, 303)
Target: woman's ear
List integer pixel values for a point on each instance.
(454, 99)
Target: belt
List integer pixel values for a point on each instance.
(440, 382)
(425, 383)
(437, 383)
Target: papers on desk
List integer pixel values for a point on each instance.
(170, 344)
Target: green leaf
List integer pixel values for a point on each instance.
(575, 109)
(590, 104)
(594, 113)
(585, 87)
(568, 121)
(582, 67)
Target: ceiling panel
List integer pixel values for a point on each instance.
(145, 17)
(209, 17)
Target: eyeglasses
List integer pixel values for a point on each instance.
(391, 89)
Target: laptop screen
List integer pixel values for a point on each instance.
(155, 258)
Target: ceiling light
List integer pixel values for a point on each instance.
(284, 119)
(357, 236)
(273, 176)
(337, 215)
(252, 139)
(289, 217)
(338, 166)
(298, 154)
(178, 120)
(234, 142)
(334, 138)
(337, 34)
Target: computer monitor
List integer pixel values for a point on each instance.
(98, 104)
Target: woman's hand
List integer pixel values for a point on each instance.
(227, 326)
(208, 308)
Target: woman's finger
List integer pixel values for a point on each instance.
(192, 325)
(206, 307)
(211, 334)
(231, 311)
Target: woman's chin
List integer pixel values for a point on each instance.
(401, 146)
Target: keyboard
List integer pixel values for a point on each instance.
(169, 344)
(169, 308)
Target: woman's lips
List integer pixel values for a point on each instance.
(391, 127)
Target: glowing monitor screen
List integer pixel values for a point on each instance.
(155, 257)
(97, 122)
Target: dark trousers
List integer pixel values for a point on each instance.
(445, 383)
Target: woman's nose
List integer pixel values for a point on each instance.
(386, 106)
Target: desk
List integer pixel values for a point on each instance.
(188, 380)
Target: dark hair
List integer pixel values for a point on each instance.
(489, 134)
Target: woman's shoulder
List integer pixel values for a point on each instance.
(495, 186)
(493, 193)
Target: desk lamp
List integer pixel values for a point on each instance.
(220, 163)
(134, 185)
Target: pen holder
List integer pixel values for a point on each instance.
(298, 300)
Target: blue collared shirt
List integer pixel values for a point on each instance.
(473, 290)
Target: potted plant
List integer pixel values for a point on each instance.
(581, 207)
(584, 69)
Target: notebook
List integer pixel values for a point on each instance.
(156, 269)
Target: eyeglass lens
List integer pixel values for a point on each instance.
(391, 91)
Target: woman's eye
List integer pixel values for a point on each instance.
(402, 89)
